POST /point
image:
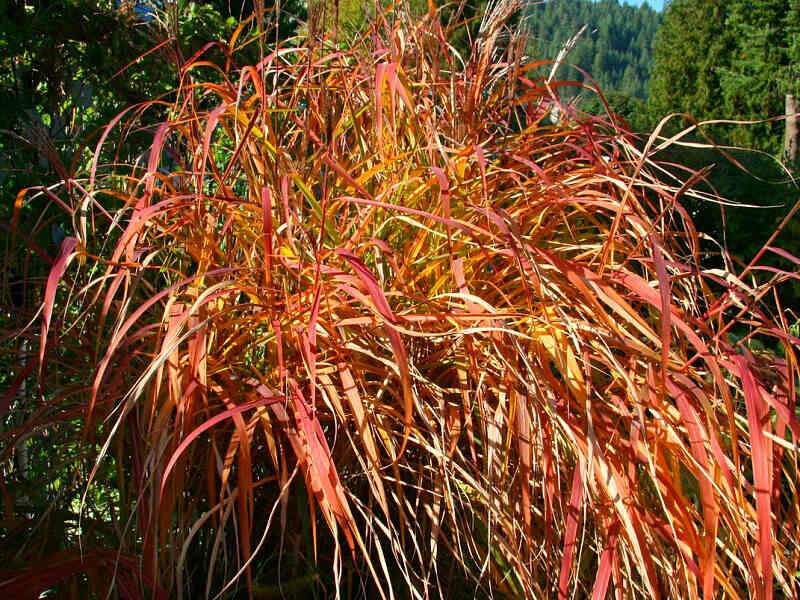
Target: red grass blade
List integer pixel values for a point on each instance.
(757, 411)
(573, 516)
(65, 255)
(226, 414)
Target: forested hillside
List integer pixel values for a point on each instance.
(616, 48)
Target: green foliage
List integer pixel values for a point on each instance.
(55, 82)
(763, 68)
(632, 111)
(732, 60)
(728, 59)
(63, 74)
(616, 49)
(692, 44)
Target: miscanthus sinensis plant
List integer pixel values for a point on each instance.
(381, 320)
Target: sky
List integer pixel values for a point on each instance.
(657, 4)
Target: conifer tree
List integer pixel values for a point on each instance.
(615, 49)
(729, 59)
(759, 76)
(691, 46)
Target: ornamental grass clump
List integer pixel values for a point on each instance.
(380, 320)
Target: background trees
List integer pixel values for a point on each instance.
(763, 67)
(732, 60)
(692, 44)
(616, 49)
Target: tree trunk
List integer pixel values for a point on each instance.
(791, 139)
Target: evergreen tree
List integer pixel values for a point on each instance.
(615, 50)
(728, 59)
(733, 59)
(691, 47)
(762, 71)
